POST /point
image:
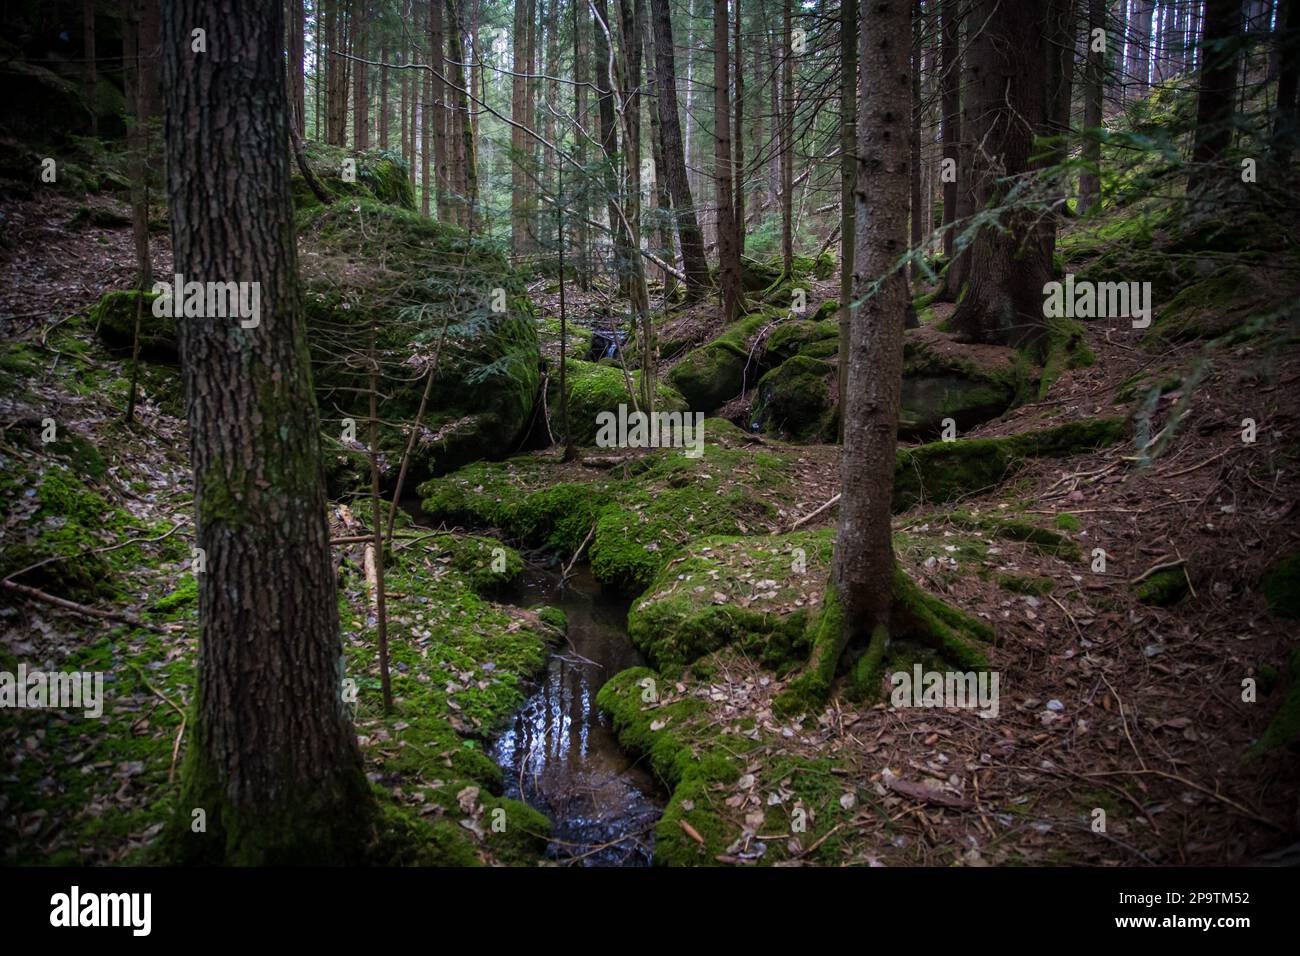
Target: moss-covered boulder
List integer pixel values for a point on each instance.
(37, 104)
(113, 319)
(752, 591)
(1210, 307)
(430, 289)
(381, 175)
(797, 400)
(945, 380)
(799, 337)
(596, 388)
(718, 371)
(946, 470)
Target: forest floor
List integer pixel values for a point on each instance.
(1108, 701)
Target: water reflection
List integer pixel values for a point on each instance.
(561, 755)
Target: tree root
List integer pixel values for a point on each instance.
(916, 616)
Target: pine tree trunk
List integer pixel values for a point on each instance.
(519, 239)
(694, 263)
(738, 136)
(1007, 63)
(438, 102)
(950, 96)
(848, 175)
(460, 121)
(787, 141)
(1286, 124)
(1090, 180)
(1216, 96)
(271, 756)
(728, 254)
(90, 73)
(297, 60)
(360, 87)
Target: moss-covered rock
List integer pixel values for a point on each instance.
(431, 289)
(1164, 588)
(381, 175)
(1209, 307)
(943, 471)
(113, 318)
(1282, 587)
(596, 388)
(718, 371)
(796, 400)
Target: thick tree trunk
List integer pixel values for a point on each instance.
(1286, 123)
(917, 216)
(858, 604)
(1216, 95)
(848, 174)
(272, 758)
(738, 135)
(694, 263)
(461, 122)
(1007, 63)
(950, 103)
(728, 254)
(1062, 23)
(1090, 179)
(581, 81)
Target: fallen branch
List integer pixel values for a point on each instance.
(82, 609)
(813, 514)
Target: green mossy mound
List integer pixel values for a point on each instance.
(750, 591)
(1210, 307)
(1284, 728)
(795, 337)
(635, 516)
(796, 400)
(364, 261)
(595, 388)
(113, 318)
(1164, 588)
(380, 175)
(944, 471)
(1282, 587)
(718, 371)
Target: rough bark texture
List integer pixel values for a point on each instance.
(271, 757)
(297, 55)
(1286, 125)
(848, 170)
(520, 241)
(1216, 96)
(461, 122)
(728, 253)
(787, 140)
(438, 105)
(694, 263)
(1008, 269)
(950, 103)
(1090, 179)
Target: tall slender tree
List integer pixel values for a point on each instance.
(728, 252)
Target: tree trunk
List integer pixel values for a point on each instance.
(1090, 179)
(787, 141)
(360, 85)
(738, 136)
(438, 105)
(694, 263)
(848, 171)
(1216, 96)
(950, 97)
(519, 238)
(462, 123)
(1286, 124)
(1007, 64)
(272, 758)
(90, 73)
(581, 81)
(297, 60)
(856, 609)
(917, 216)
(728, 254)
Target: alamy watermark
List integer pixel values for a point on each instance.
(1084, 299)
(37, 690)
(209, 300)
(644, 430)
(922, 688)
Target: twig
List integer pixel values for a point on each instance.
(814, 514)
(82, 609)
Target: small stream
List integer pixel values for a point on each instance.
(561, 755)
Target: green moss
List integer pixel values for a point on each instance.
(943, 471)
(1018, 584)
(1065, 346)
(1067, 522)
(794, 400)
(594, 389)
(1163, 588)
(1282, 587)
(113, 318)
(380, 175)
(1284, 728)
(1017, 529)
(717, 372)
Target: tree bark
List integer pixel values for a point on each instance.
(1008, 268)
(787, 141)
(1094, 71)
(848, 172)
(694, 263)
(1216, 95)
(90, 72)
(297, 60)
(1286, 123)
(728, 254)
(272, 757)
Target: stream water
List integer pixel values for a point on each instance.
(561, 755)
